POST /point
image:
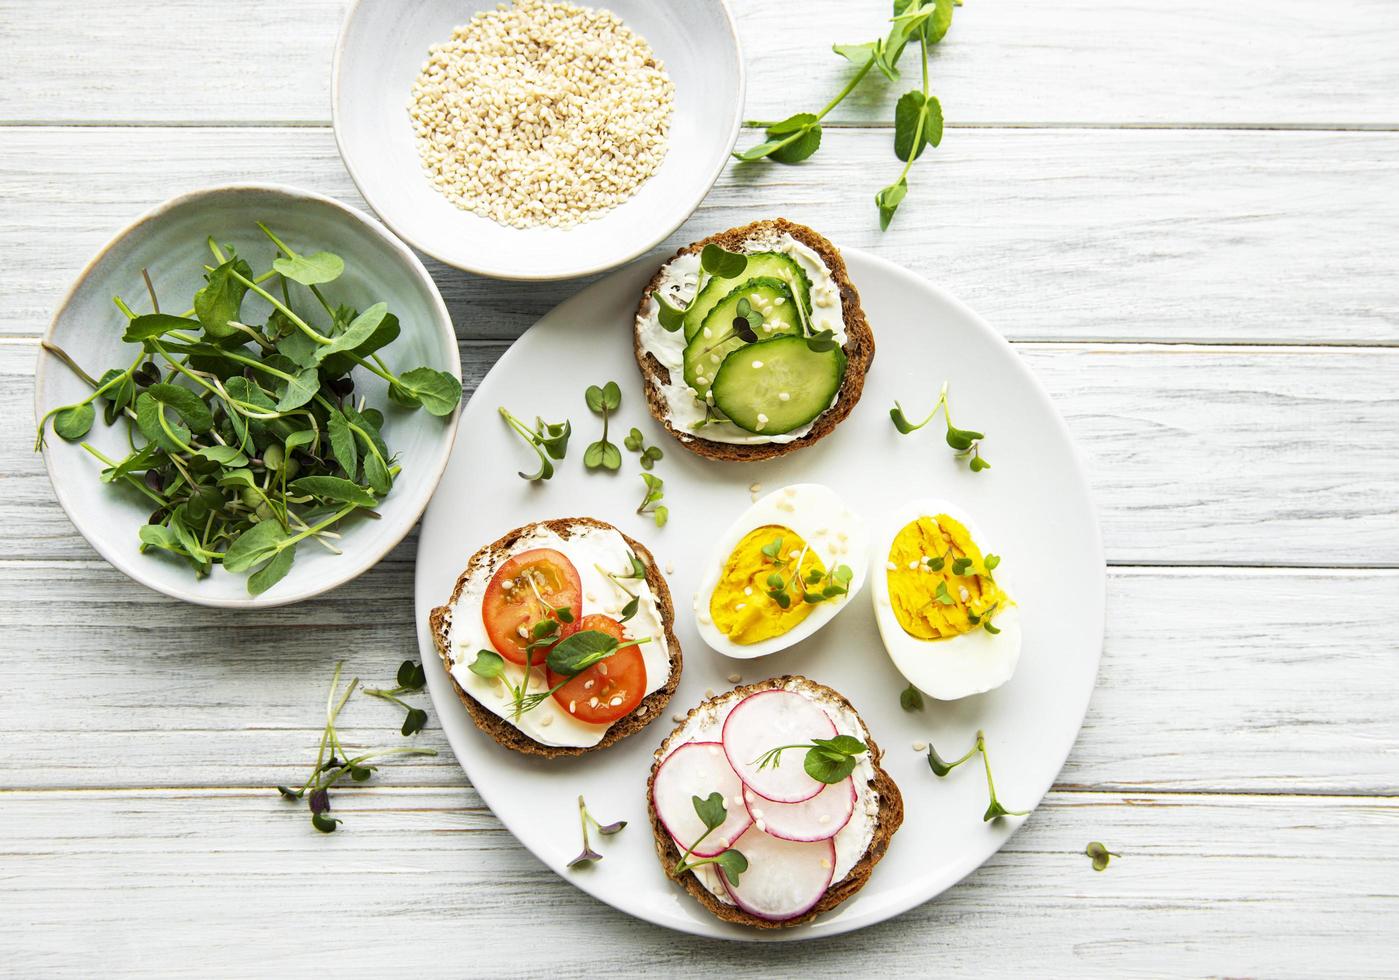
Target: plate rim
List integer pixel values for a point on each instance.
(712, 927)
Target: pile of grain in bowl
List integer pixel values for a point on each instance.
(541, 113)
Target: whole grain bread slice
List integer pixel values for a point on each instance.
(491, 556)
(890, 816)
(859, 348)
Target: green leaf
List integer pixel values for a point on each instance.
(185, 403)
(961, 439)
(718, 261)
(359, 330)
(153, 325)
(223, 455)
(138, 462)
(611, 396)
(221, 298)
(342, 443)
(732, 863)
(334, 488)
(661, 515)
(710, 810)
(991, 562)
(377, 474)
(254, 546)
(487, 664)
(576, 653)
(856, 54)
(602, 455)
(807, 130)
(978, 464)
(324, 823)
(901, 421)
(633, 441)
(940, 766)
(303, 386)
(439, 392)
(911, 699)
(671, 318)
(271, 573)
(298, 439)
(75, 421)
(310, 270)
(822, 341)
(995, 810)
(757, 151)
(629, 610)
(1099, 854)
(249, 392)
(414, 722)
(888, 201)
(841, 744)
(906, 113)
(300, 349)
(159, 536)
(148, 414)
(827, 768)
(960, 566)
(943, 596)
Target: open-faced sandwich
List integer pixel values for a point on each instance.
(559, 638)
(752, 342)
(769, 805)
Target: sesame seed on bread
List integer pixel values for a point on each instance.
(859, 348)
(890, 815)
(498, 728)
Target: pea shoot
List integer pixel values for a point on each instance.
(330, 769)
(965, 442)
(828, 760)
(918, 121)
(411, 678)
(712, 814)
(604, 401)
(588, 855)
(942, 767)
(248, 439)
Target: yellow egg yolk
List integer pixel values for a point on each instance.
(924, 610)
(741, 605)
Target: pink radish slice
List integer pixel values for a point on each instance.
(698, 769)
(818, 818)
(784, 878)
(764, 721)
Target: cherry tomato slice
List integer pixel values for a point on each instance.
(522, 592)
(607, 690)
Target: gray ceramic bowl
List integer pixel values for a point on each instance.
(170, 243)
(383, 46)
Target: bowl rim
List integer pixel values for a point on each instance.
(356, 565)
(476, 267)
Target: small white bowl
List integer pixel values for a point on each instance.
(383, 46)
(169, 242)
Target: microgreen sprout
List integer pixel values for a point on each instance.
(651, 502)
(604, 401)
(812, 587)
(911, 699)
(965, 442)
(1100, 855)
(918, 121)
(712, 814)
(411, 678)
(941, 767)
(334, 763)
(636, 442)
(828, 760)
(588, 855)
(549, 440)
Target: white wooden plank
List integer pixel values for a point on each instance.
(1080, 61)
(425, 883)
(1257, 237)
(1212, 679)
(1197, 455)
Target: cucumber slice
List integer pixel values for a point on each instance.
(777, 265)
(775, 386)
(717, 336)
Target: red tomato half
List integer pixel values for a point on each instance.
(609, 689)
(523, 591)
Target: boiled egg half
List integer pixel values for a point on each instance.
(943, 611)
(781, 571)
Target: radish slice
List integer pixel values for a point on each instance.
(764, 721)
(698, 769)
(784, 878)
(819, 818)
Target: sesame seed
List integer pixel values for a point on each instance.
(677, 718)
(964, 593)
(758, 813)
(546, 721)
(670, 568)
(783, 396)
(825, 862)
(602, 669)
(761, 825)
(779, 300)
(508, 584)
(572, 706)
(757, 364)
(824, 818)
(892, 567)
(747, 590)
(735, 678)
(920, 746)
(912, 566)
(740, 607)
(592, 702)
(588, 685)
(592, 597)
(614, 702)
(755, 487)
(709, 693)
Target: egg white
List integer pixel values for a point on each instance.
(832, 531)
(959, 666)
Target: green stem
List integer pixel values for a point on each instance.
(130, 478)
(283, 308)
(681, 865)
(849, 87)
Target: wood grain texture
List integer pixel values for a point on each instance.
(1257, 237)
(426, 883)
(1009, 61)
(1211, 680)
(1196, 455)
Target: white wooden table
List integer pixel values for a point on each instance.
(1186, 215)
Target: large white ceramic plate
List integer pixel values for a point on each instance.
(1033, 507)
(382, 47)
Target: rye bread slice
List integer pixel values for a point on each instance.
(859, 348)
(503, 731)
(890, 816)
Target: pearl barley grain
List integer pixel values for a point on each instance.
(541, 113)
